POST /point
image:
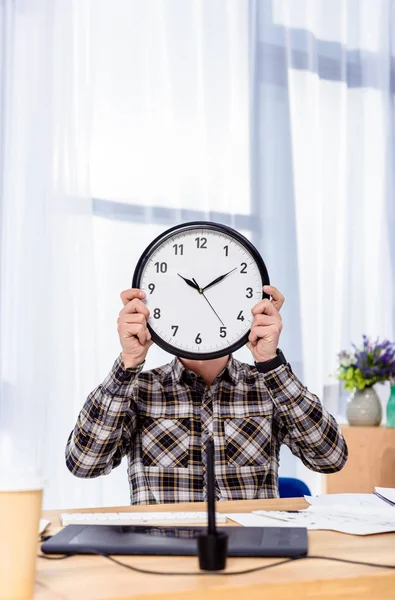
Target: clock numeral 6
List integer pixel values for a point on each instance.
(201, 242)
(249, 293)
(243, 268)
(156, 313)
(151, 287)
(161, 267)
(175, 329)
(222, 331)
(240, 316)
(198, 339)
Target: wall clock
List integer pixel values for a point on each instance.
(201, 280)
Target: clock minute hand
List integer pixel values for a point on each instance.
(208, 301)
(219, 279)
(189, 282)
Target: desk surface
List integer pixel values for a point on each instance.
(96, 578)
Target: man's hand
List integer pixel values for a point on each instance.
(132, 328)
(266, 326)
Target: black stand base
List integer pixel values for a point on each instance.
(212, 550)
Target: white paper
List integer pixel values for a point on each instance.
(359, 521)
(388, 493)
(350, 500)
(43, 525)
(252, 520)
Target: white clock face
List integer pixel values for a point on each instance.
(190, 313)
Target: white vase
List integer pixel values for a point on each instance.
(364, 408)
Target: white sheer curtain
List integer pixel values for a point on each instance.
(47, 286)
(323, 113)
(271, 116)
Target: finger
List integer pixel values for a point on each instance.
(128, 295)
(258, 333)
(135, 306)
(136, 330)
(277, 297)
(265, 306)
(265, 320)
(132, 318)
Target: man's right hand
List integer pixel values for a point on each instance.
(132, 328)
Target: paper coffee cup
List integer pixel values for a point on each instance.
(20, 509)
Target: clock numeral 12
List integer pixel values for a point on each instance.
(178, 248)
(240, 316)
(201, 242)
(198, 339)
(175, 329)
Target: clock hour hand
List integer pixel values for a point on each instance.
(219, 279)
(189, 282)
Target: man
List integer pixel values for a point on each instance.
(161, 419)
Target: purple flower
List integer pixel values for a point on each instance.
(375, 359)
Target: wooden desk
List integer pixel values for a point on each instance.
(371, 461)
(96, 578)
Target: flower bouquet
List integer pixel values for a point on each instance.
(360, 369)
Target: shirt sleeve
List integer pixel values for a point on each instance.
(105, 425)
(303, 424)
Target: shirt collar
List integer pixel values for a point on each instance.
(179, 372)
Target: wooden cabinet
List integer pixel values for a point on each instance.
(371, 461)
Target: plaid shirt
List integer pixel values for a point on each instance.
(161, 420)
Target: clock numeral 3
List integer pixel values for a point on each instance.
(175, 329)
(240, 316)
(161, 267)
(151, 287)
(201, 242)
(226, 248)
(198, 339)
(249, 293)
(178, 249)
(156, 313)
(222, 331)
(243, 268)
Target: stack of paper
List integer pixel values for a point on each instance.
(356, 514)
(385, 494)
(350, 500)
(358, 522)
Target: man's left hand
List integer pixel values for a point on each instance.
(266, 326)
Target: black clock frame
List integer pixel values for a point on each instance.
(158, 241)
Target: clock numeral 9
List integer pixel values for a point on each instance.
(249, 293)
(201, 242)
(161, 267)
(222, 332)
(175, 329)
(240, 316)
(156, 313)
(178, 249)
(198, 339)
(151, 287)
(243, 268)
